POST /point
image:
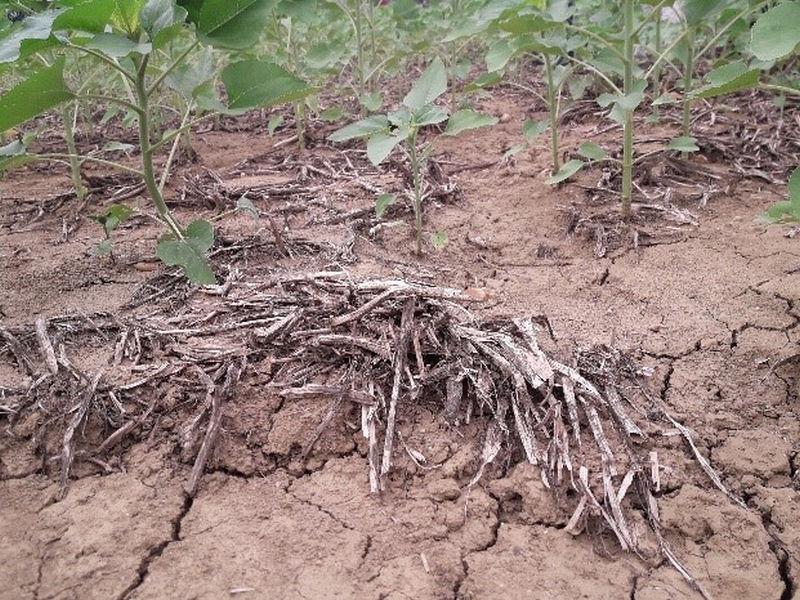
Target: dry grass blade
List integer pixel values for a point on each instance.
(68, 444)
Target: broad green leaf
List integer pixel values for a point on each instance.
(698, 11)
(463, 120)
(383, 202)
(794, 187)
(591, 151)
(380, 146)
(430, 85)
(776, 33)
(35, 28)
(629, 101)
(371, 102)
(90, 16)
(429, 115)
(400, 118)
(361, 129)
(111, 218)
(666, 98)
(781, 211)
(683, 144)
(189, 253)
(104, 248)
(161, 20)
(117, 46)
(484, 81)
(567, 171)
(126, 15)
(727, 79)
(275, 121)
(13, 155)
(533, 129)
(498, 56)
(252, 83)
(526, 24)
(244, 204)
(440, 239)
(332, 113)
(234, 24)
(189, 76)
(41, 91)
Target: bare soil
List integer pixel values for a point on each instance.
(709, 304)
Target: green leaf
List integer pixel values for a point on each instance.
(683, 144)
(727, 79)
(41, 91)
(189, 253)
(371, 102)
(126, 15)
(361, 129)
(697, 11)
(383, 202)
(794, 187)
(440, 240)
(533, 129)
(500, 52)
(380, 146)
(13, 155)
(35, 27)
(275, 121)
(161, 20)
(90, 16)
(528, 23)
(592, 151)
(666, 98)
(252, 83)
(104, 248)
(484, 81)
(332, 113)
(430, 85)
(244, 204)
(429, 115)
(117, 46)
(781, 211)
(463, 120)
(117, 147)
(776, 33)
(567, 171)
(113, 216)
(233, 24)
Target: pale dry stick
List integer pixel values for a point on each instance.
(68, 446)
(406, 325)
(18, 351)
(46, 346)
(210, 437)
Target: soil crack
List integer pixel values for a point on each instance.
(144, 567)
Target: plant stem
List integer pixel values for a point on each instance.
(74, 163)
(657, 72)
(148, 171)
(358, 22)
(553, 110)
(300, 124)
(417, 179)
(687, 87)
(627, 149)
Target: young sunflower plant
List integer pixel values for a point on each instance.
(129, 39)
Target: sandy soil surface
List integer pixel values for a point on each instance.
(709, 306)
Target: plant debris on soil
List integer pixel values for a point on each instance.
(556, 401)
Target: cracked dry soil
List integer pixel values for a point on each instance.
(709, 315)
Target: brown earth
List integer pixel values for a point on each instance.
(710, 310)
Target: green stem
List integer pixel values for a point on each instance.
(102, 57)
(780, 88)
(359, 26)
(597, 37)
(553, 110)
(154, 86)
(74, 164)
(688, 70)
(59, 157)
(627, 149)
(417, 180)
(148, 171)
(657, 72)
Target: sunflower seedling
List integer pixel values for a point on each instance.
(402, 128)
(129, 37)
